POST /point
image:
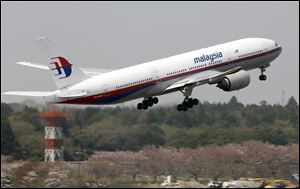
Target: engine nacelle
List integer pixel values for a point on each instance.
(236, 81)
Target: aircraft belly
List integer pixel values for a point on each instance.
(155, 90)
(257, 62)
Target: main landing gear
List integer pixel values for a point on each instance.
(187, 103)
(147, 102)
(262, 77)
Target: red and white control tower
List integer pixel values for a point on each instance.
(53, 120)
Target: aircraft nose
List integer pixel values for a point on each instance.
(280, 50)
(278, 46)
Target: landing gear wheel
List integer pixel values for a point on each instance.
(155, 100)
(262, 77)
(150, 103)
(140, 106)
(185, 103)
(195, 101)
(179, 107)
(145, 106)
(184, 107)
(190, 103)
(145, 102)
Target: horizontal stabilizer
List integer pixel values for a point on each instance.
(88, 71)
(34, 65)
(28, 93)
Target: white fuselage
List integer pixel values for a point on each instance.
(152, 78)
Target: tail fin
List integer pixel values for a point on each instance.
(64, 72)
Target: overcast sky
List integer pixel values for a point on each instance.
(119, 34)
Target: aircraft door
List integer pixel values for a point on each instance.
(235, 53)
(229, 56)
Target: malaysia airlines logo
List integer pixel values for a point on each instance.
(207, 57)
(62, 66)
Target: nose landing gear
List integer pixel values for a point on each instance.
(262, 77)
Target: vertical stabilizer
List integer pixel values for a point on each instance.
(64, 72)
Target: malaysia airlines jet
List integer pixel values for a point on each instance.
(225, 65)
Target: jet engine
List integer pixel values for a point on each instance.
(236, 81)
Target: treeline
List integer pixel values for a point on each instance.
(121, 129)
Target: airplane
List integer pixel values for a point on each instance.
(225, 65)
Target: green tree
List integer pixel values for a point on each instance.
(7, 138)
(9, 144)
(5, 110)
(233, 102)
(151, 135)
(31, 115)
(292, 111)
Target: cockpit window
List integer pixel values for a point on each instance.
(276, 44)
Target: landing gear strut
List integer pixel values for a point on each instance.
(262, 77)
(188, 102)
(147, 102)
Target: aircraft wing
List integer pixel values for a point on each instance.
(88, 71)
(209, 76)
